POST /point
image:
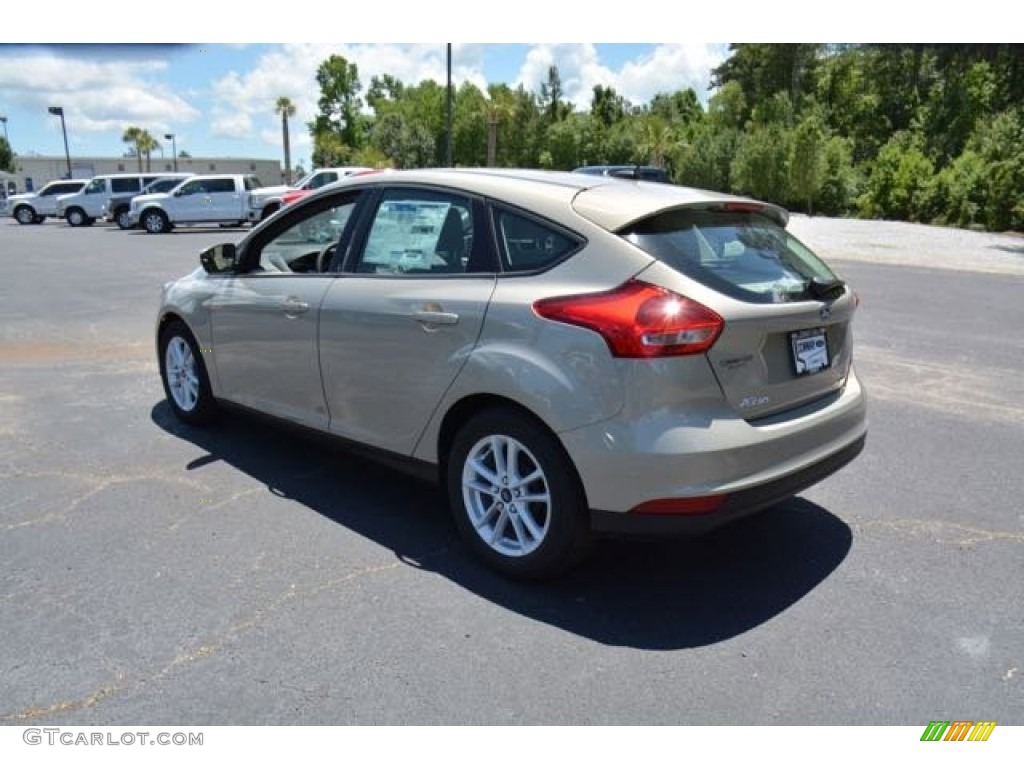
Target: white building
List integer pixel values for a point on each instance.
(32, 172)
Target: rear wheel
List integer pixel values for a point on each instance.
(24, 215)
(39, 219)
(516, 497)
(122, 218)
(184, 376)
(155, 222)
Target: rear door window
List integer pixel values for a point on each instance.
(744, 255)
(528, 245)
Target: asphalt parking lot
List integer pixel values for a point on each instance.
(151, 572)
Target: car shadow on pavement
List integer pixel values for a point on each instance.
(655, 595)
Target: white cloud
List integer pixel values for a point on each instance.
(97, 95)
(666, 68)
(291, 71)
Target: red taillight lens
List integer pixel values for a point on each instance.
(639, 319)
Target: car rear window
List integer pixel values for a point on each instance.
(744, 255)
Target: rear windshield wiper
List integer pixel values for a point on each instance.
(824, 289)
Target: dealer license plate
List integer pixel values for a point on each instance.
(810, 351)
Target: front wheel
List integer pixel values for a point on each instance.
(517, 500)
(184, 376)
(76, 218)
(25, 215)
(155, 222)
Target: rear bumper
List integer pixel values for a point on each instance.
(736, 506)
(672, 454)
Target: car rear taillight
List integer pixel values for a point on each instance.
(638, 319)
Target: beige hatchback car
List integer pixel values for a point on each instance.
(567, 354)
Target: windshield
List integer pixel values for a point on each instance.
(743, 255)
(301, 183)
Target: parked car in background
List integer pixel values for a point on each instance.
(221, 198)
(297, 194)
(635, 172)
(83, 208)
(34, 207)
(566, 354)
(117, 208)
(268, 200)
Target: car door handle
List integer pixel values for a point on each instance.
(434, 317)
(292, 306)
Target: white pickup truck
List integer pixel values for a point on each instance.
(268, 201)
(221, 198)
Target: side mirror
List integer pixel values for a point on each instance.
(178, 192)
(219, 258)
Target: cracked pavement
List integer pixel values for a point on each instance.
(249, 574)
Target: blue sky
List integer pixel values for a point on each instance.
(218, 98)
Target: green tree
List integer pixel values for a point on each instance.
(606, 106)
(6, 156)
(285, 108)
(142, 142)
(807, 165)
(338, 129)
(761, 166)
(497, 109)
(554, 108)
(899, 180)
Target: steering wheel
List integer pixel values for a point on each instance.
(323, 259)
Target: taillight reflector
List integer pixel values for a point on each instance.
(695, 505)
(638, 319)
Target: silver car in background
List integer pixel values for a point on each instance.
(567, 354)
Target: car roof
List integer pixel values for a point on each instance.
(610, 202)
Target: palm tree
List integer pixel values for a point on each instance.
(496, 109)
(145, 145)
(285, 109)
(656, 141)
(131, 136)
(142, 141)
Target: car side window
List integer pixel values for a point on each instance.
(193, 187)
(528, 245)
(219, 185)
(307, 245)
(120, 186)
(423, 232)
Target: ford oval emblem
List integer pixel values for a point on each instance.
(825, 313)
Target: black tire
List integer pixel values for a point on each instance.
(24, 215)
(269, 211)
(76, 217)
(204, 409)
(39, 219)
(155, 221)
(558, 536)
(121, 218)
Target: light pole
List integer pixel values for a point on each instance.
(174, 149)
(448, 113)
(64, 129)
(3, 119)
